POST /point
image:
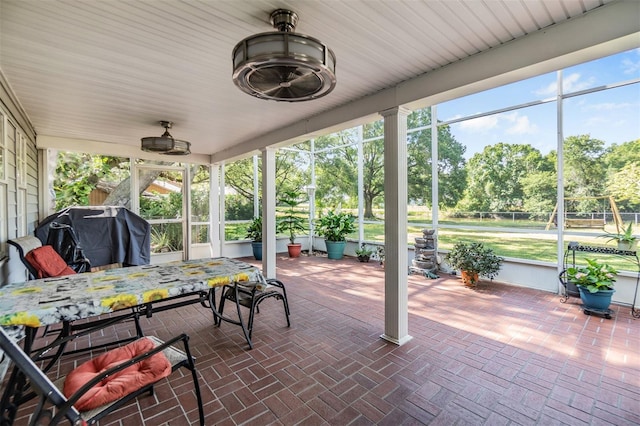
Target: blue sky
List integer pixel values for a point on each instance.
(611, 115)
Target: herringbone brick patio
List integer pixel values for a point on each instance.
(494, 354)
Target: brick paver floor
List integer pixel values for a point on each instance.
(494, 354)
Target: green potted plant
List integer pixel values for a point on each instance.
(290, 222)
(364, 253)
(626, 240)
(334, 227)
(474, 260)
(595, 284)
(254, 232)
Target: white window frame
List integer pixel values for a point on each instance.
(3, 149)
(21, 160)
(4, 225)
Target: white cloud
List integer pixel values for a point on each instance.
(455, 117)
(515, 123)
(609, 106)
(596, 121)
(629, 66)
(548, 90)
(481, 124)
(570, 83)
(522, 126)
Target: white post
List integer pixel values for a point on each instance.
(214, 213)
(435, 210)
(560, 177)
(311, 191)
(221, 211)
(269, 213)
(360, 187)
(256, 188)
(396, 309)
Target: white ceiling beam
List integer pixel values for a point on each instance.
(604, 31)
(105, 148)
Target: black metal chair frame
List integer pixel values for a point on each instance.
(28, 381)
(27, 243)
(24, 245)
(250, 296)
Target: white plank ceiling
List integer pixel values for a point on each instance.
(110, 70)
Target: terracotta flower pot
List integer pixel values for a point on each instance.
(469, 278)
(294, 250)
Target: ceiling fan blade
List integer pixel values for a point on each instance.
(283, 93)
(269, 78)
(309, 83)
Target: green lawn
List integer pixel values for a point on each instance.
(531, 245)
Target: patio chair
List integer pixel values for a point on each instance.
(44, 262)
(24, 245)
(251, 296)
(47, 255)
(28, 381)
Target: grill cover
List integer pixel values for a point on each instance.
(107, 234)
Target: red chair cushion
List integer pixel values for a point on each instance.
(122, 383)
(48, 262)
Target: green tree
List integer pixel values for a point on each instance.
(238, 175)
(336, 169)
(624, 186)
(292, 173)
(618, 156)
(584, 172)
(373, 166)
(451, 162)
(540, 191)
(623, 174)
(496, 177)
(78, 174)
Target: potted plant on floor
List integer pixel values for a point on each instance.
(364, 253)
(595, 284)
(254, 232)
(626, 240)
(334, 227)
(291, 222)
(474, 260)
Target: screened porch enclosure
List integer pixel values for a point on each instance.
(503, 194)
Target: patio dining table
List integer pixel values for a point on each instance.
(128, 292)
(70, 298)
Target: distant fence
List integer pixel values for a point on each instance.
(594, 218)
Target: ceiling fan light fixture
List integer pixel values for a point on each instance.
(165, 144)
(283, 65)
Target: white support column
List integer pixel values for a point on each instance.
(560, 167)
(360, 187)
(214, 216)
(269, 213)
(396, 311)
(435, 192)
(311, 190)
(47, 166)
(256, 188)
(186, 211)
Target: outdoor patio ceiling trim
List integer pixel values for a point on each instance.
(106, 148)
(609, 29)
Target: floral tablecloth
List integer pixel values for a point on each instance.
(53, 300)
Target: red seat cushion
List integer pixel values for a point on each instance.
(48, 262)
(122, 383)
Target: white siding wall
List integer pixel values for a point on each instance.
(18, 200)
